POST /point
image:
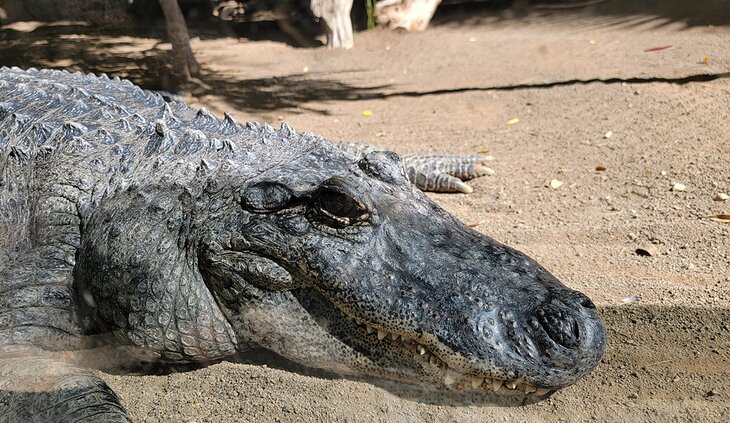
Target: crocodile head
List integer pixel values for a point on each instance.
(347, 267)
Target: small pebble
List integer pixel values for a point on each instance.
(721, 197)
(677, 187)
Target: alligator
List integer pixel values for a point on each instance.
(136, 231)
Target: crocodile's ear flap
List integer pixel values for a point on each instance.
(266, 197)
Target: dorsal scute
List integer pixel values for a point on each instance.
(230, 125)
(205, 120)
(287, 130)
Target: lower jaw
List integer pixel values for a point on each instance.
(439, 372)
(442, 375)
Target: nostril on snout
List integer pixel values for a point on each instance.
(583, 300)
(587, 303)
(576, 331)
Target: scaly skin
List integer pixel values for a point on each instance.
(439, 172)
(136, 231)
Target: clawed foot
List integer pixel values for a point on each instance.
(444, 172)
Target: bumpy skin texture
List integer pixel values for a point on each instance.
(137, 231)
(439, 172)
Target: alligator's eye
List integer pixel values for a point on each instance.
(339, 209)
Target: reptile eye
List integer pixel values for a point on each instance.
(340, 208)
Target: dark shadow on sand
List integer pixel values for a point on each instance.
(296, 90)
(586, 13)
(76, 48)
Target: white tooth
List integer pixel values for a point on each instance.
(434, 360)
(511, 384)
(394, 336)
(381, 335)
(476, 381)
(370, 329)
(496, 385)
(530, 389)
(450, 377)
(541, 391)
(420, 349)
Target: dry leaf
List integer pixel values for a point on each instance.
(513, 121)
(600, 168)
(631, 299)
(661, 48)
(677, 187)
(706, 59)
(367, 113)
(722, 218)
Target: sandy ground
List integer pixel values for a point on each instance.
(587, 94)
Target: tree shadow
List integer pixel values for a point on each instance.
(146, 62)
(75, 47)
(290, 92)
(583, 14)
(295, 91)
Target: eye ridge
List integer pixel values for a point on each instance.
(340, 207)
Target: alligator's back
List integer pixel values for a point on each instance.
(67, 139)
(68, 142)
(50, 121)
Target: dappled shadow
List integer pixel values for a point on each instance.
(284, 92)
(296, 90)
(145, 60)
(570, 13)
(75, 47)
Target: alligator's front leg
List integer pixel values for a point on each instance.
(37, 381)
(41, 389)
(434, 172)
